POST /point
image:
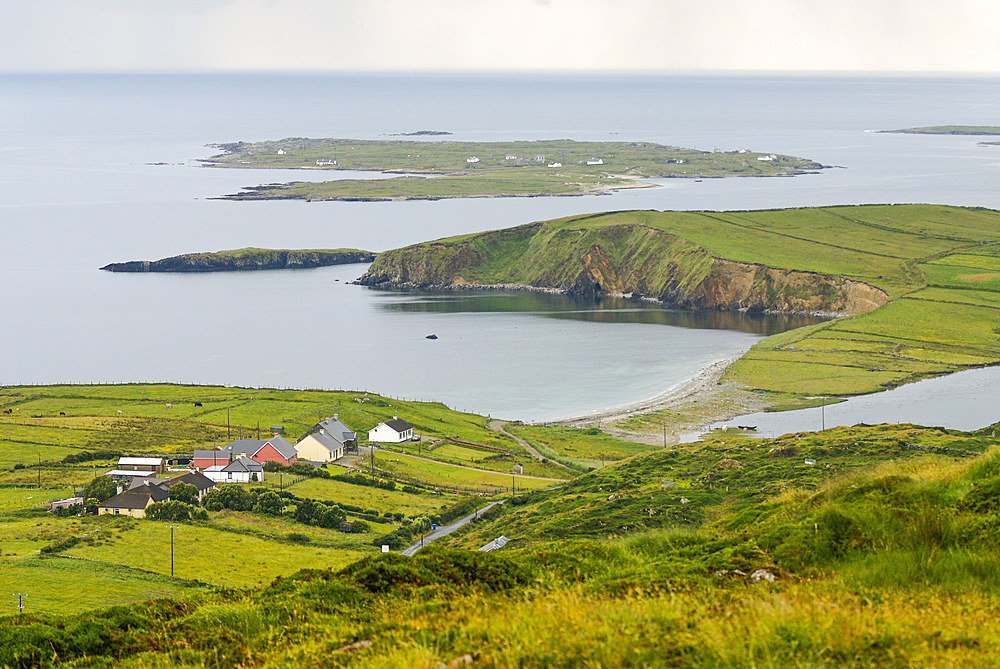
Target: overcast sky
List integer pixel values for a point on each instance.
(470, 35)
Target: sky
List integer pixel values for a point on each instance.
(920, 36)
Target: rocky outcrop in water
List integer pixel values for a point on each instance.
(246, 260)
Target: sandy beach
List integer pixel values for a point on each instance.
(699, 398)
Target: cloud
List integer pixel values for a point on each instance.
(526, 35)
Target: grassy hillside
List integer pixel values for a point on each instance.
(931, 269)
(869, 565)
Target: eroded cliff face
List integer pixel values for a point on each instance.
(633, 260)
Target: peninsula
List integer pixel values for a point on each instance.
(247, 259)
(916, 288)
(949, 130)
(487, 169)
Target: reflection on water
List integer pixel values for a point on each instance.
(606, 309)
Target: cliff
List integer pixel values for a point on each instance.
(629, 259)
(245, 260)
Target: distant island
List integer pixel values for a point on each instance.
(487, 169)
(420, 133)
(247, 259)
(949, 130)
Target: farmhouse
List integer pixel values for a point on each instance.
(132, 502)
(595, 161)
(327, 441)
(391, 432)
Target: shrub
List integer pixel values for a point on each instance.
(101, 488)
(172, 510)
(185, 492)
(232, 496)
(268, 503)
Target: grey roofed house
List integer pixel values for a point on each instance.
(335, 428)
(327, 441)
(244, 465)
(133, 501)
(201, 482)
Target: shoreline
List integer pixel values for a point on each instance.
(694, 389)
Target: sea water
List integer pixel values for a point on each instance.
(102, 168)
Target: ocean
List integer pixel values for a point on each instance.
(103, 168)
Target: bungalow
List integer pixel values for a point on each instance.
(132, 502)
(510, 156)
(327, 441)
(555, 164)
(392, 431)
(765, 157)
(472, 159)
(240, 470)
(595, 161)
(64, 503)
(201, 482)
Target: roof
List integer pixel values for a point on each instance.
(136, 498)
(197, 479)
(243, 465)
(398, 425)
(496, 544)
(334, 428)
(145, 480)
(128, 472)
(156, 462)
(326, 440)
(211, 455)
(251, 446)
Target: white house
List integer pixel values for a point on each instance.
(391, 432)
(240, 470)
(510, 156)
(281, 152)
(595, 161)
(327, 441)
(765, 157)
(473, 159)
(555, 164)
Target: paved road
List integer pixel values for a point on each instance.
(446, 530)
(498, 426)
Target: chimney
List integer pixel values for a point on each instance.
(395, 417)
(322, 431)
(336, 416)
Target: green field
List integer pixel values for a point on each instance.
(882, 554)
(454, 477)
(589, 448)
(561, 170)
(383, 501)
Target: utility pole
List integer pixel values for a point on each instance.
(823, 412)
(227, 423)
(39, 471)
(171, 528)
(20, 602)
(513, 490)
(664, 424)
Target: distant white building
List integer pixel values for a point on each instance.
(510, 157)
(326, 162)
(281, 152)
(595, 161)
(555, 164)
(472, 159)
(539, 158)
(392, 431)
(765, 157)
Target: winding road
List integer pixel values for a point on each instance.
(447, 529)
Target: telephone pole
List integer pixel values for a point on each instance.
(171, 528)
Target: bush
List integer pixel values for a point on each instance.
(101, 488)
(232, 496)
(71, 510)
(297, 538)
(184, 492)
(269, 503)
(172, 510)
